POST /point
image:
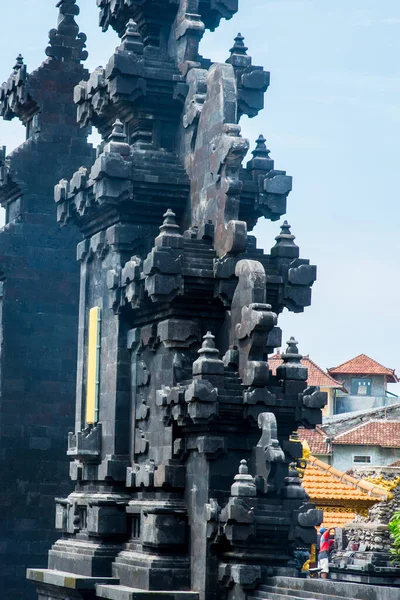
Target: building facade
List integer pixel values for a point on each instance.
(365, 381)
(357, 439)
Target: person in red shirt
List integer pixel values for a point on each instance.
(325, 546)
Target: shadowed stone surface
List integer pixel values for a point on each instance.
(39, 302)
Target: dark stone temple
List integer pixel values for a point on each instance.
(39, 293)
(184, 451)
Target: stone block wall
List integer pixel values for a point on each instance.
(39, 285)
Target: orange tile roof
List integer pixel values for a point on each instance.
(316, 440)
(373, 433)
(364, 365)
(333, 519)
(316, 375)
(323, 483)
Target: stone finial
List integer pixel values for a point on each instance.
(66, 43)
(261, 160)
(292, 350)
(292, 367)
(209, 365)
(239, 46)
(118, 134)
(285, 246)
(244, 484)
(117, 143)
(131, 40)
(170, 235)
(19, 63)
(208, 349)
(261, 147)
(169, 225)
(238, 57)
(285, 231)
(293, 488)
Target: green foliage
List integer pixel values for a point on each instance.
(394, 527)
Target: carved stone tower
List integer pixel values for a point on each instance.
(39, 286)
(182, 451)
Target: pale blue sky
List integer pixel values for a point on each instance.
(332, 121)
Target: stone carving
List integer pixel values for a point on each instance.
(268, 454)
(189, 315)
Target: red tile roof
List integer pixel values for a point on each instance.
(364, 365)
(372, 433)
(315, 439)
(316, 375)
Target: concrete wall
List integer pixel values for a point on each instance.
(349, 402)
(328, 411)
(378, 387)
(343, 456)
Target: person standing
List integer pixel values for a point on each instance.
(325, 546)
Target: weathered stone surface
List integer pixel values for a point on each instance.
(364, 555)
(39, 301)
(189, 310)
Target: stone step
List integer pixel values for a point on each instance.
(326, 589)
(275, 596)
(266, 592)
(121, 592)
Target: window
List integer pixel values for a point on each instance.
(361, 387)
(83, 517)
(361, 459)
(136, 526)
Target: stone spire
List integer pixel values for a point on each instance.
(238, 57)
(285, 246)
(209, 365)
(117, 143)
(292, 367)
(66, 43)
(239, 46)
(261, 160)
(131, 40)
(170, 235)
(19, 63)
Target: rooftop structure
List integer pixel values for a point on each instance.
(317, 440)
(373, 433)
(364, 365)
(339, 495)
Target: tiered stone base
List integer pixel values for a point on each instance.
(56, 585)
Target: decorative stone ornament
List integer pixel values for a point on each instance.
(190, 309)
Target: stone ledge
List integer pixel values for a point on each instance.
(67, 580)
(121, 592)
